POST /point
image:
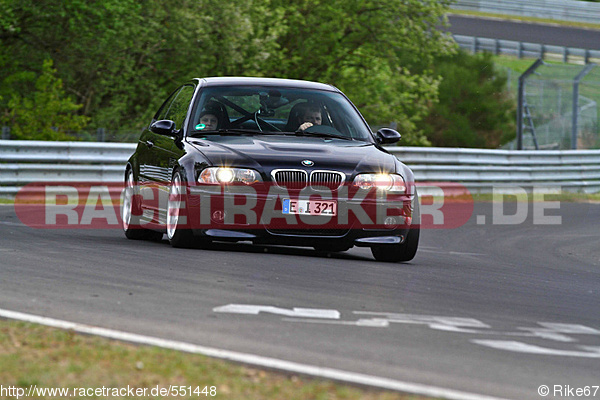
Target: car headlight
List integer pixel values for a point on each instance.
(392, 183)
(225, 175)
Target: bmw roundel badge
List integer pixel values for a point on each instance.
(308, 163)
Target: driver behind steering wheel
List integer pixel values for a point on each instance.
(310, 116)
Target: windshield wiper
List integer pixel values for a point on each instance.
(320, 134)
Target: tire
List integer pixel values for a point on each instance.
(131, 212)
(398, 252)
(405, 251)
(178, 236)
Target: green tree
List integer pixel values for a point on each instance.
(48, 114)
(121, 58)
(474, 107)
(380, 53)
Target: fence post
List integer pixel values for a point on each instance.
(5, 133)
(574, 126)
(100, 134)
(520, 50)
(520, 100)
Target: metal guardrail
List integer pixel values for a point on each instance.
(482, 170)
(528, 50)
(64, 152)
(23, 162)
(565, 10)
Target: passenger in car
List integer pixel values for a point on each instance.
(210, 121)
(213, 116)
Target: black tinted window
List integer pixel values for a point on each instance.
(178, 108)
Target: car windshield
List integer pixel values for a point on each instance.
(270, 110)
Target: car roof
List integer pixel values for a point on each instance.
(254, 81)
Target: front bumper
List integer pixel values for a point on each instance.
(238, 214)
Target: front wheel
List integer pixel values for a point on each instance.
(398, 252)
(405, 251)
(177, 234)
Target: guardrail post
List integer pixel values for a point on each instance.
(520, 100)
(574, 126)
(520, 50)
(5, 133)
(100, 134)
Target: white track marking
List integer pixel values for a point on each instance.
(373, 322)
(454, 324)
(267, 362)
(454, 253)
(508, 345)
(568, 328)
(550, 331)
(295, 312)
(546, 330)
(9, 223)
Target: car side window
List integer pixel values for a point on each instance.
(162, 111)
(178, 108)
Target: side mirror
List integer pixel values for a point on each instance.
(387, 136)
(163, 127)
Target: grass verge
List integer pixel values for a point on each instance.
(33, 354)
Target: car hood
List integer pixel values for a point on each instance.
(267, 153)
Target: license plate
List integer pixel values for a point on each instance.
(310, 207)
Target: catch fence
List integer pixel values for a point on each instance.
(558, 105)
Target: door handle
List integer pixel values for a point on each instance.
(150, 144)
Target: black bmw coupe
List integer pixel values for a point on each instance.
(272, 161)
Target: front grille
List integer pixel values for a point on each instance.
(298, 179)
(290, 178)
(328, 179)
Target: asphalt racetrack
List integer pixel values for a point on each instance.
(495, 310)
(552, 34)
